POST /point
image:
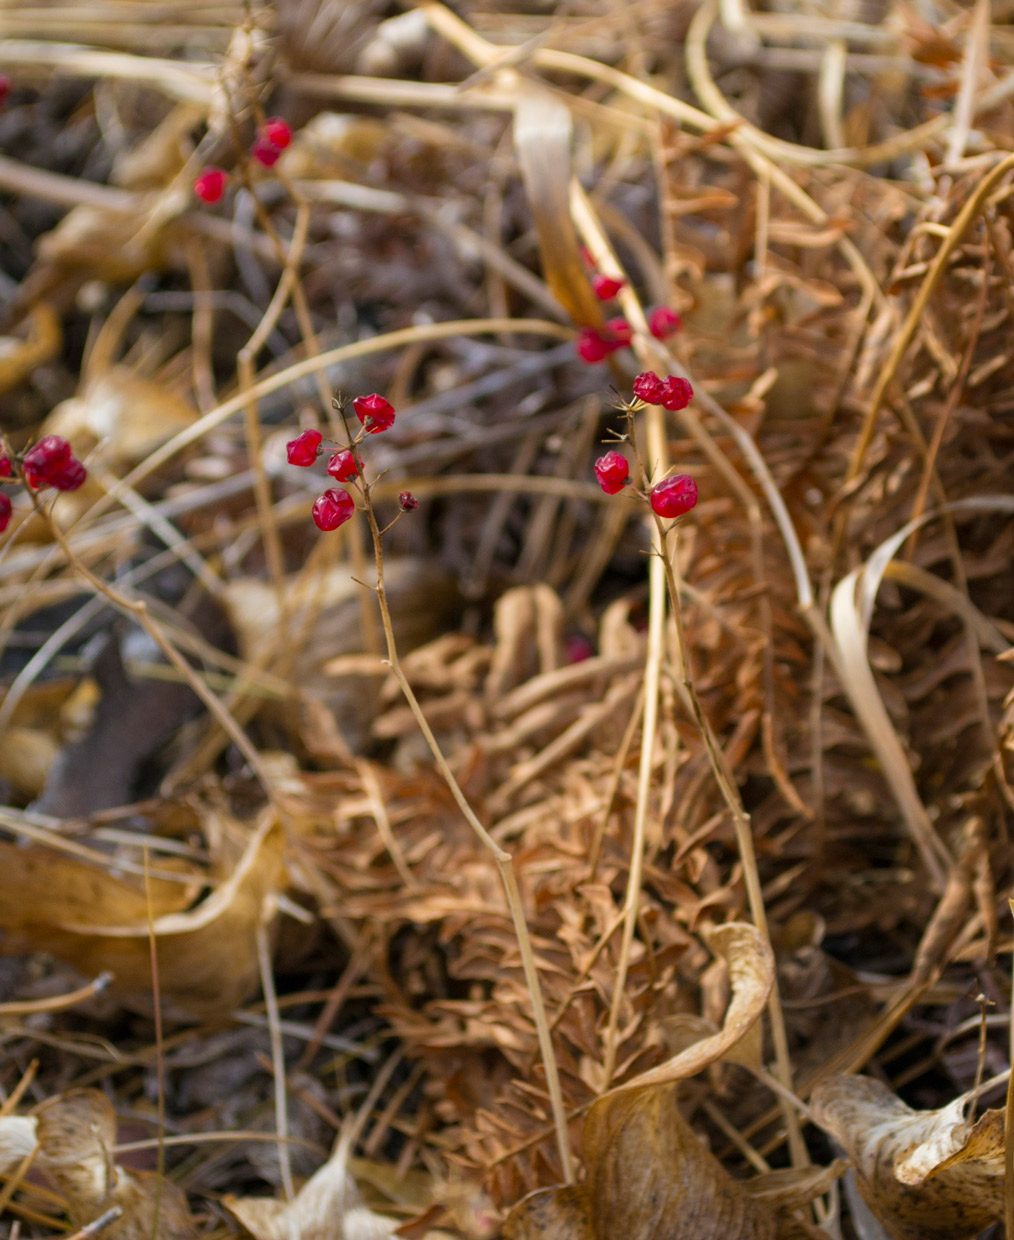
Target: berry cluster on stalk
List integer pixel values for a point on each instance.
(272, 139)
(48, 463)
(595, 344)
(335, 506)
(672, 496)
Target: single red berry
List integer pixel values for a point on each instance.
(70, 477)
(612, 472)
(6, 508)
(674, 496)
(592, 346)
(663, 322)
(277, 132)
(649, 388)
(5, 90)
(342, 466)
(619, 332)
(47, 458)
(375, 413)
(332, 509)
(265, 152)
(303, 449)
(577, 648)
(407, 502)
(677, 394)
(210, 185)
(606, 287)
(6, 468)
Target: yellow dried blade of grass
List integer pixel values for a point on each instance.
(850, 612)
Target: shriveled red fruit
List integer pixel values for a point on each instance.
(266, 153)
(375, 413)
(649, 388)
(46, 458)
(407, 502)
(612, 472)
(6, 508)
(606, 287)
(277, 132)
(664, 322)
(70, 477)
(592, 346)
(620, 332)
(5, 88)
(677, 393)
(674, 496)
(6, 468)
(342, 466)
(210, 185)
(303, 449)
(332, 509)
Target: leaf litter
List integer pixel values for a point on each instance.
(234, 941)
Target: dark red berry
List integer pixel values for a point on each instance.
(619, 332)
(375, 413)
(649, 388)
(592, 346)
(277, 132)
(70, 477)
(677, 393)
(577, 648)
(663, 322)
(674, 496)
(6, 508)
(407, 502)
(342, 466)
(612, 472)
(5, 90)
(606, 287)
(332, 509)
(265, 152)
(6, 468)
(47, 458)
(210, 185)
(303, 449)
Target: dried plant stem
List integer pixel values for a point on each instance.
(503, 859)
(156, 999)
(277, 1059)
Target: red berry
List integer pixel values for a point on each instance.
(375, 413)
(6, 468)
(577, 648)
(663, 322)
(677, 393)
(6, 508)
(210, 185)
(612, 472)
(332, 509)
(277, 132)
(70, 477)
(303, 449)
(342, 466)
(592, 346)
(606, 287)
(265, 152)
(407, 502)
(619, 332)
(674, 496)
(5, 90)
(649, 388)
(47, 458)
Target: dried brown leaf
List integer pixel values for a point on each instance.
(926, 1175)
(17, 1140)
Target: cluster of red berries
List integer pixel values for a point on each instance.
(335, 507)
(272, 138)
(595, 344)
(49, 463)
(671, 497)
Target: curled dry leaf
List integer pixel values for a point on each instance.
(649, 1177)
(926, 1175)
(76, 1134)
(327, 1207)
(207, 955)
